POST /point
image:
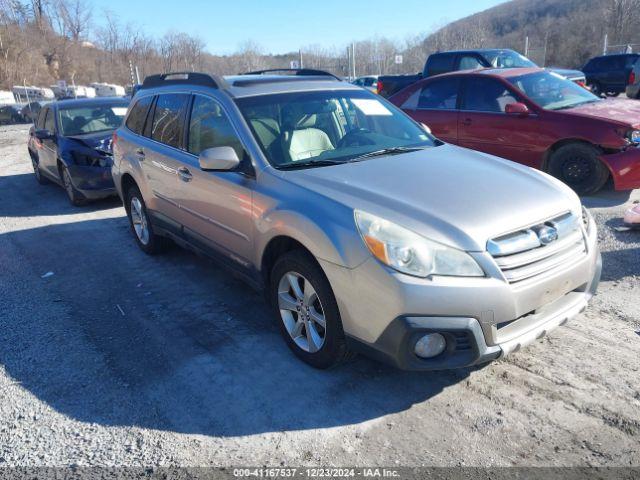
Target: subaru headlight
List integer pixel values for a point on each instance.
(634, 137)
(410, 253)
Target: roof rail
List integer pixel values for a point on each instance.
(295, 71)
(183, 78)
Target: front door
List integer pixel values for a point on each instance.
(217, 205)
(48, 149)
(483, 124)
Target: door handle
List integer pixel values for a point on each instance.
(140, 153)
(466, 122)
(184, 174)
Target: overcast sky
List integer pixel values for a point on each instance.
(281, 26)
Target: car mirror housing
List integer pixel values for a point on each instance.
(43, 134)
(517, 108)
(218, 158)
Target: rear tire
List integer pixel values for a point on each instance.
(36, 170)
(141, 227)
(579, 166)
(303, 301)
(595, 89)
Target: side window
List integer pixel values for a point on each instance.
(41, 116)
(439, 63)
(484, 94)
(468, 62)
(438, 95)
(210, 127)
(49, 122)
(138, 114)
(168, 118)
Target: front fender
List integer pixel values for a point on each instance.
(331, 237)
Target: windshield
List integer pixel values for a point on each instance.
(91, 119)
(508, 59)
(552, 91)
(302, 129)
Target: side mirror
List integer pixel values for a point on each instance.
(218, 158)
(517, 109)
(43, 134)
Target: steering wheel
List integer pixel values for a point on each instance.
(355, 137)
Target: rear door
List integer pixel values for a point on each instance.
(484, 126)
(217, 206)
(436, 105)
(162, 156)
(47, 153)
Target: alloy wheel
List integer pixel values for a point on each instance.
(68, 186)
(139, 220)
(301, 312)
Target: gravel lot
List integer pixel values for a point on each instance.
(123, 359)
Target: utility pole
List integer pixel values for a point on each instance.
(526, 46)
(300, 58)
(606, 44)
(353, 55)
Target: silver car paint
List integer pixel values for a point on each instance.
(449, 194)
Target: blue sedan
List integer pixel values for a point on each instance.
(70, 144)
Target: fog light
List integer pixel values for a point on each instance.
(430, 345)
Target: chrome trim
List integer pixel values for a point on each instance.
(513, 243)
(214, 222)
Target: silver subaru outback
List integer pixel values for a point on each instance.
(366, 233)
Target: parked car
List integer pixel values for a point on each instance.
(633, 88)
(30, 111)
(370, 82)
(451, 61)
(10, 114)
(70, 144)
(610, 74)
(365, 232)
(536, 118)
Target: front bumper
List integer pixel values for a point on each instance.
(625, 168)
(92, 182)
(384, 313)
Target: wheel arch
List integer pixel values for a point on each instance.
(561, 143)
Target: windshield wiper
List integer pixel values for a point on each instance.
(386, 151)
(312, 163)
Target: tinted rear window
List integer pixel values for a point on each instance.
(438, 64)
(135, 120)
(168, 119)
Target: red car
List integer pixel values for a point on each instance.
(534, 117)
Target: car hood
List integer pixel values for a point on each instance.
(97, 141)
(623, 111)
(449, 194)
(567, 73)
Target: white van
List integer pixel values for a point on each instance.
(108, 90)
(25, 94)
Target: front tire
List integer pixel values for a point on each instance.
(595, 89)
(579, 166)
(307, 311)
(75, 197)
(141, 227)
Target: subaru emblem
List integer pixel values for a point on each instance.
(547, 234)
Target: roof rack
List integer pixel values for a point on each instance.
(295, 71)
(183, 78)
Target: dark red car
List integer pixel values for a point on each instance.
(534, 117)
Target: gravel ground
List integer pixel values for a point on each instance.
(123, 359)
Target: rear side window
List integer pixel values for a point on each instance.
(468, 62)
(168, 119)
(210, 127)
(135, 120)
(438, 95)
(440, 63)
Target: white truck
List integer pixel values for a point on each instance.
(108, 90)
